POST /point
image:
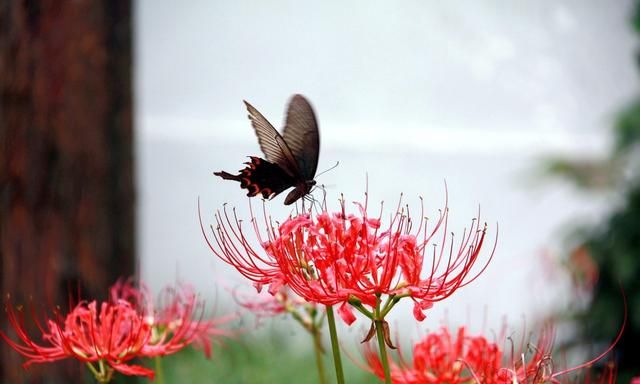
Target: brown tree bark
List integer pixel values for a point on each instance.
(66, 163)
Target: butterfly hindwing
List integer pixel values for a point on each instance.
(261, 177)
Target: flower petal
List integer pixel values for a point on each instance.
(133, 370)
(346, 313)
(417, 312)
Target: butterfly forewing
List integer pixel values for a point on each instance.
(272, 143)
(301, 135)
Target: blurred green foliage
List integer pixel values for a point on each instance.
(614, 245)
(627, 132)
(615, 248)
(255, 360)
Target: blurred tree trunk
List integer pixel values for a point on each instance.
(66, 163)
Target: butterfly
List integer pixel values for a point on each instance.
(291, 158)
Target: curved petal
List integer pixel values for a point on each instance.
(346, 313)
(133, 370)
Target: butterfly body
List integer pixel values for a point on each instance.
(291, 158)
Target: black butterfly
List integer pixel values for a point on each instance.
(291, 158)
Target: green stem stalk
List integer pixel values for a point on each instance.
(103, 374)
(317, 345)
(159, 371)
(337, 361)
(93, 370)
(383, 351)
(378, 321)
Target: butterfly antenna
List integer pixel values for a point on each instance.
(329, 169)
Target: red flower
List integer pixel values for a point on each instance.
(178, 320)
(283, 302)
(115, 332)
(229, 243)
(111, 333)
(442, 358)
(262, 305)
(339, 258)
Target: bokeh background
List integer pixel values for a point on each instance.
(526, 110)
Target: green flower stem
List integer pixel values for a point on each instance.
(319, 321)
(383, 351)
(388, 301)
(379, 324)
(298, 317)
(388, 305)
(312, 325)
(159, 371)
(337, 361)
(358, 306)
(317, 345)
(95, 373)
(102, 374)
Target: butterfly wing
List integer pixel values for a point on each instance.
(301, 136)
(273, 145)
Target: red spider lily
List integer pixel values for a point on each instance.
(179, 317)
(262, 305)
(442, 358)
(284, 302)
(230, 244)
(117, 331)
(340, 258)
(111, 333)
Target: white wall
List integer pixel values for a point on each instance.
(411, 92)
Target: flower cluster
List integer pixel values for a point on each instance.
(111, 334)
(92, 332)
(178, 317)
(344, 258)
(441, 357)
(263, 305)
